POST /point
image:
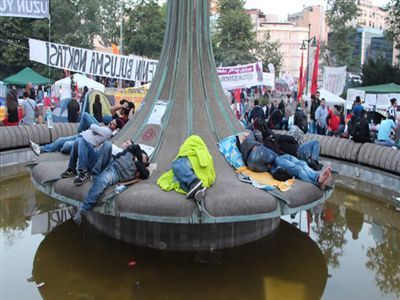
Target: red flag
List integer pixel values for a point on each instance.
(300, 82)
(314, 84)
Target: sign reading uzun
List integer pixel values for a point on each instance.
(91, 62)
(241, 76)
(37, 9)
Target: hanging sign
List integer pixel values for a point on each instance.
(37, 9)
(241, 76)
(91, 62)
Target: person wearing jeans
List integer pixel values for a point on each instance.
(63, 145)
(309, 151)
(86, 121)
(192, 170)
(128, 166)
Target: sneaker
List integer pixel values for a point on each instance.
(35, 148)
(200, 195)
(69, 173)
(82, 177)
(195, 186)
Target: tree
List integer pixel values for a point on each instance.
(234, 38)
(268, 52)
(339, 15)
(110, 14)
(145, 29)
(379, 71)
(393, 20)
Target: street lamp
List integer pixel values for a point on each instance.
(303, 47)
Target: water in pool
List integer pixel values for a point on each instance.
(349, 248)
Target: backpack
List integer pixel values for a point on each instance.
(355, 129)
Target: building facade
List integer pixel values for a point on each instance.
(370, 15)
(315, 16)
(291, 38)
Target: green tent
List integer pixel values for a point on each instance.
(389, 88)
(25, 76)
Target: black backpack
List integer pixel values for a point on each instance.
(355, 128)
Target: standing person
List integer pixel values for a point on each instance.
(39, 105)
(30, 90)
(320, 117)
(29, 107)
(97, 109)
(391, 111)
(357, 108)
(85, 91)
(295, 89)
(73, 110)
(314, 105)
(12, 105)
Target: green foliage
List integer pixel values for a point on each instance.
(379, 71)
(234, 38)
(110, 16)
(268, 52)
(145, 29)
(393, 20)
(339, 14)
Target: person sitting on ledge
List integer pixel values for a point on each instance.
(384, 133)
(192, 170)
(95, 135)
(127, 167)
(259, 158)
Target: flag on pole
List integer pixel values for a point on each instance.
(314, 81)
(300, 82)
(114, 49)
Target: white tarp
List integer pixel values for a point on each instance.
(334, 79)
(37, 9)
(62, 87)
(241, 76)
(91, 62)
(331, 99)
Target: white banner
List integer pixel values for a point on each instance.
(241, 76)
(37, 9)
(351, 96)
(91, 62)
(269, 80)
(334, 79)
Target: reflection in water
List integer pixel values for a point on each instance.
(286, 265)
(355, 236)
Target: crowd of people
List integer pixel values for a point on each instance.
(320, 119)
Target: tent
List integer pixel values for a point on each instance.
(330, 98)
(89, 100)
(25, 76)
(377, 96)
(81, 81)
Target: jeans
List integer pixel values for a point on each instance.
(309, 150)
(321, 130)
(297, 168)
(86, 121)
(64, 145)
(183, 172)
(311, 128)
(261, 159)
(101, 182)
(107, 119)
(104, 156)
(388, 143)
(83, 153)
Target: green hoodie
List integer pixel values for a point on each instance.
(201, 160)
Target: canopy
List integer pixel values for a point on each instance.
(389, 88)
(25, 76)
(81, 81)
(330, 98)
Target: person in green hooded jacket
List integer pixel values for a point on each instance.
(192, 170)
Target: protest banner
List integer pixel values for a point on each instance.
(241, 76)
(37, 9)
(91, 62)
(334, 79)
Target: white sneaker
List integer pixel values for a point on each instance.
(35, 148)
(200, 195)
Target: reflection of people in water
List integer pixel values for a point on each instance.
(354, 220)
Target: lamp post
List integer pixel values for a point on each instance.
(303, 47)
